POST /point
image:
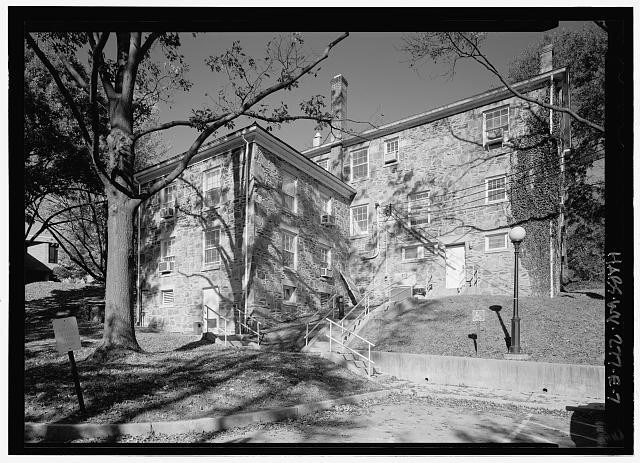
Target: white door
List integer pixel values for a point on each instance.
(210, 309)
(454, 259)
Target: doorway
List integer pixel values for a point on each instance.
(455, 265)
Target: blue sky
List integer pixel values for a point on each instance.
(382, 86)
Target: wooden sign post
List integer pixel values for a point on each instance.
(68, 340)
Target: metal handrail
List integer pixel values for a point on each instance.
(309, 331)
(219, 316)
(257, 333)
(369, 344)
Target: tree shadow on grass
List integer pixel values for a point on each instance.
(212, 382)
(76, 302)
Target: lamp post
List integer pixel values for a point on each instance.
(516, 235)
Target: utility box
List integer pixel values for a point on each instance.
(340, 304)
(197, 327)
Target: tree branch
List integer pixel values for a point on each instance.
(104, 76)
(482, 59)
(146, 46)
(65, 92)
(93, 95)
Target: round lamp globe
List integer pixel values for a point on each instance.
(517, 234)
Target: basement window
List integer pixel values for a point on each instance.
(410, 253)
(495, 242)
(167, 297)
(288, 294)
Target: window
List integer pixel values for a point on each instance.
(324, 254)
(496, 242)
(419, 208)
(211, 245)
(324, 163)
(288, 294)
(167, 297)
(412, 253)
(53, 253)
(289, 250)
(325, 204)
(496, 189)
(169, 196)
(360, 220)
(391, 150)
(211, 187)
(496, 124)
(324, 299)
(289, 185)
(167, 250)
(359, 164)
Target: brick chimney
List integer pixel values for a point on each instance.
(546, 58)
(339, 105)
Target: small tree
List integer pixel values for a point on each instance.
(124, 87)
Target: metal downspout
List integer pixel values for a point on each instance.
(245, 244)
(138, 293)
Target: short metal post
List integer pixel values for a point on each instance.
(306, 338)
(225, 332)
(330, 336)
(369, 347)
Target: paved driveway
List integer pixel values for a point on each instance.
(410, 418)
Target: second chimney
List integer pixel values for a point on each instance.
(339, 106)
(546, 58)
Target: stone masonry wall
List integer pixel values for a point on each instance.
(270, 219)
(446, 158)
(190, 275)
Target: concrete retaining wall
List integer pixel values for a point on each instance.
(520, 376)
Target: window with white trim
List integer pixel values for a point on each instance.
(324, 254)
(496, 125)
(289, 250)
(360, 220)
(211, 246)
(167, 296)
(167, 250)
(419, 208)
(169, 196)
(496, 189)
(391, 150)
(324, 163)
(412, 253)
(359, 164)
(289, 186)
(496, 242)
(288, 294)
(325, 204)
(212, 186)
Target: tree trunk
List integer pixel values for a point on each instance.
(119, 331)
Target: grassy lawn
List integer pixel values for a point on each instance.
(178, 377)
(565, 329)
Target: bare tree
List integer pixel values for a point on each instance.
(451, 47)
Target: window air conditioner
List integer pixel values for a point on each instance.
(165, 267)
(326, 272)
(327, 219)
(167, 212)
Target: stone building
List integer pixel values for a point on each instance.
(250, 223)
(433, 207)
(254, 227)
